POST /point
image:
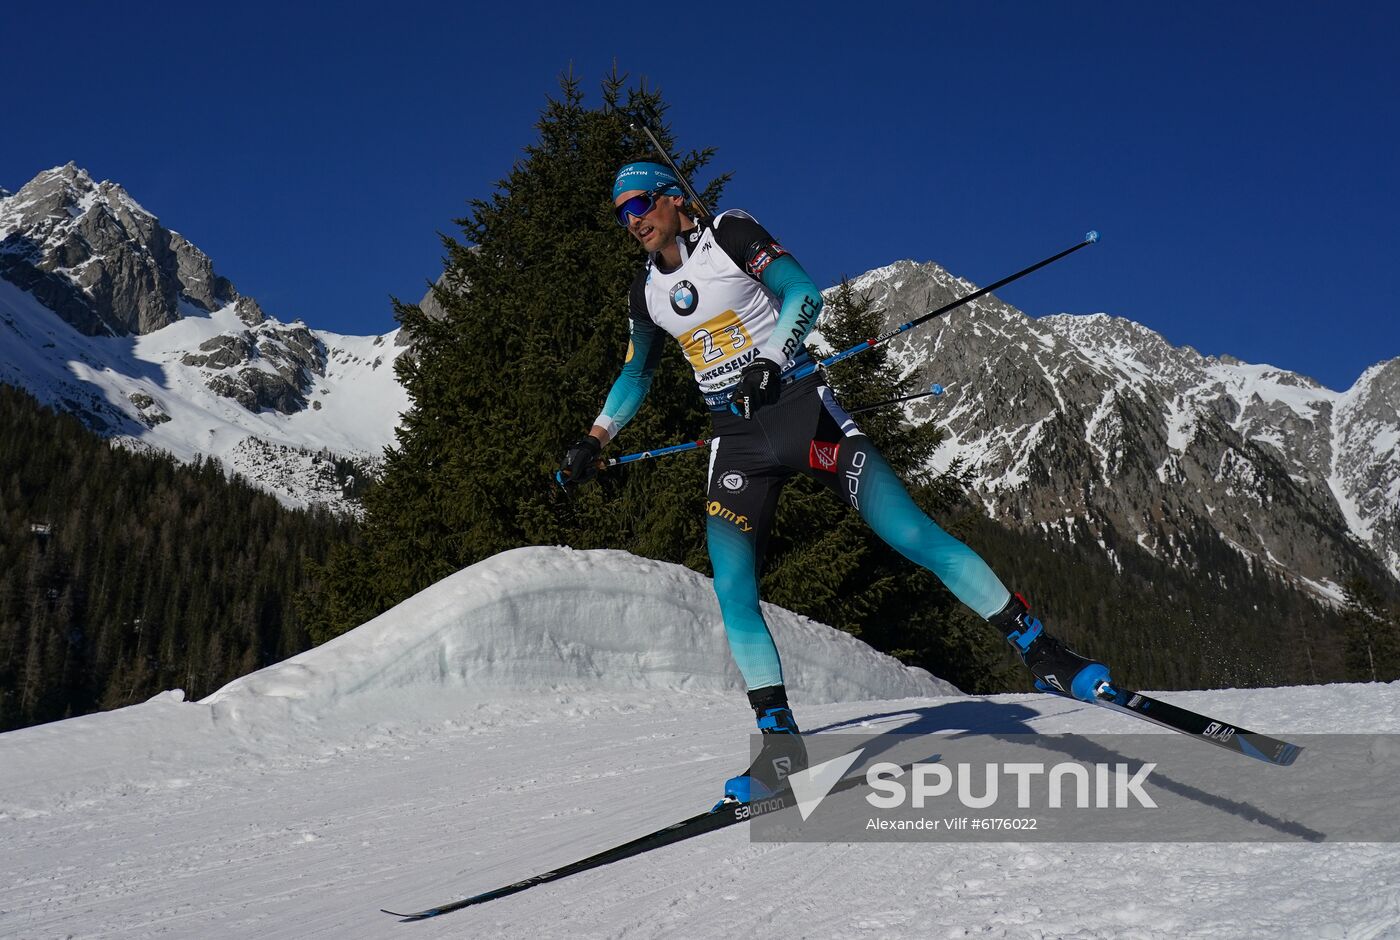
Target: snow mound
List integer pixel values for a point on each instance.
(554, 619)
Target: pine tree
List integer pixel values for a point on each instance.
(534, 329)
(1373, 634)
(138, 570)
(534, 333)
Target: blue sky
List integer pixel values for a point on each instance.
(1239, 159)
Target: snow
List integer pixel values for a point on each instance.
(1245, 381)
(546, 704)
(1330, 591)
(1104, 427)
(1366, 451)
(1142, 544)
(352, 410)
(1019, 472)
(512, 623)
(1181, 425)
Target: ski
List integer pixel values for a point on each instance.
(721, 817)
(1211, 730)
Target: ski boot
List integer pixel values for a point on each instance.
(783, 752)
(1056, 667)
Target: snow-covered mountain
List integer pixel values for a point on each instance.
(1097, 428)
(547, 704)
(1092, 427)
(109, 315)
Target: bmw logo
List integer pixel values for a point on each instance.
(684, 298)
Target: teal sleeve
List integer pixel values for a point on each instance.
(801, 303)
(632, 385)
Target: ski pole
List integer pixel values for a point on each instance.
(934, 389)
(563, 480)
(637, 120)
(649, 454)
(808, 369)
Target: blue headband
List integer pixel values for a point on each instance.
(648, 177)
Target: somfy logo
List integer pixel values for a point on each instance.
(716, 508)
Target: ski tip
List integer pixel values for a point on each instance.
(421, 915)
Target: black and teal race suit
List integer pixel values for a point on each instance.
(738, 296)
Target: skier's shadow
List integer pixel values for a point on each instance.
(1008, 721)
(972, 715)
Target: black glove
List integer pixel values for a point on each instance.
(580, 461)
(760, 384)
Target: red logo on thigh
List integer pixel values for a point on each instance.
(823, 456)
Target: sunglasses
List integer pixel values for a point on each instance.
(639, 205)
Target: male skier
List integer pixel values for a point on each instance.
(741, 306)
